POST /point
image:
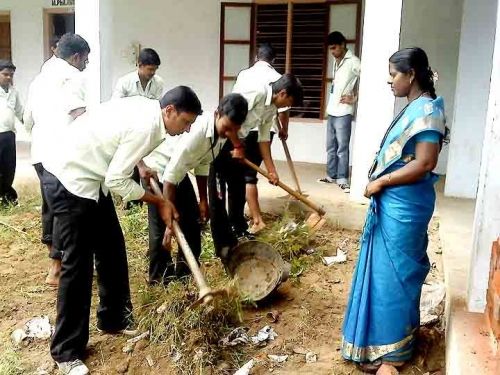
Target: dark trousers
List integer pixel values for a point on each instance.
(7, 167)
(47, 216)
(227, 175)
(85, 229)
(161, 266)
(252, 152)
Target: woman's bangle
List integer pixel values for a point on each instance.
(239, 145)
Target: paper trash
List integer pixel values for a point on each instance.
(341, 257)
(245, 370)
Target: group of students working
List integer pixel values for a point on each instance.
(82, 154)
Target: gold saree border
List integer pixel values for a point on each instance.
(372, 352)
(395, 149)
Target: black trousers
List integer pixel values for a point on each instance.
(252, 152)
(85, 229)
(47, 216)
(7, 167)
(227, 175)
(161, 266)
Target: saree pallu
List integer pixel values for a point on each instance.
(382, 314)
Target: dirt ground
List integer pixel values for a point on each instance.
(308, 309)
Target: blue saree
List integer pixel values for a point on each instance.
(382, 314)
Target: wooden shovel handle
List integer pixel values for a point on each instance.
(288, 189)
(289, 159)
(183, 244)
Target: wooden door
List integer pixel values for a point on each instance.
(5, 41)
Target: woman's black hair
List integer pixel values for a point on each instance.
(415, 59)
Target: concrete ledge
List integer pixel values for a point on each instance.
(469, 348)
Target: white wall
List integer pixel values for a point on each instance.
(26, 29)
(87, 24)
(26, 22)
(487, 217)
(471, 100)
(184, 33)
(376, 101)
(436, 29)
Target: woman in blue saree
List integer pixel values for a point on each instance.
(382, 315)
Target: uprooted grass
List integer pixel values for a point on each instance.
(188, 336)
(290, 236)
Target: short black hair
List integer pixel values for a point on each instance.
(336, 38)
(7, 64)
(183, 98)
(292, 86)
(148, 56)
(71, 44)
(266, 52)
(234, 106)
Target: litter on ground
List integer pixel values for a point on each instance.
(341, 257)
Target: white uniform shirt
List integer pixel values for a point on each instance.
(264, 73)
(189, 151)
(11, 109)
(345, 76)
(58, 89)
(100, 149)
(261, 110)
(130, 85)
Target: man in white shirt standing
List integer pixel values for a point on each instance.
(56, 96)
(263, 103)
(142, 82)
(262, 71)
(346, 70)
(97, 155)
(11, 111)
(172, 160)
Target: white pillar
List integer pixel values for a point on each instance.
(487, 217)
(376, 102)
(87, 24)
(471, 97)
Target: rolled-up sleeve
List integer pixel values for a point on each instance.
(132, 147)
(203, 169)
(266, 123)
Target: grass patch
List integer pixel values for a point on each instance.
(10, 362)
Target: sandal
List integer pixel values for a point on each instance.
(369, 367)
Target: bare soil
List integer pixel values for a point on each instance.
(308, 310)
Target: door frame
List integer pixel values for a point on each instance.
(47, 12)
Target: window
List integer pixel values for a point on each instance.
(298, 32)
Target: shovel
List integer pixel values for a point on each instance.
(316, 220)
(289, 161)
(206, 294)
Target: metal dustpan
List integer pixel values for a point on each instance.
(257, 268)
